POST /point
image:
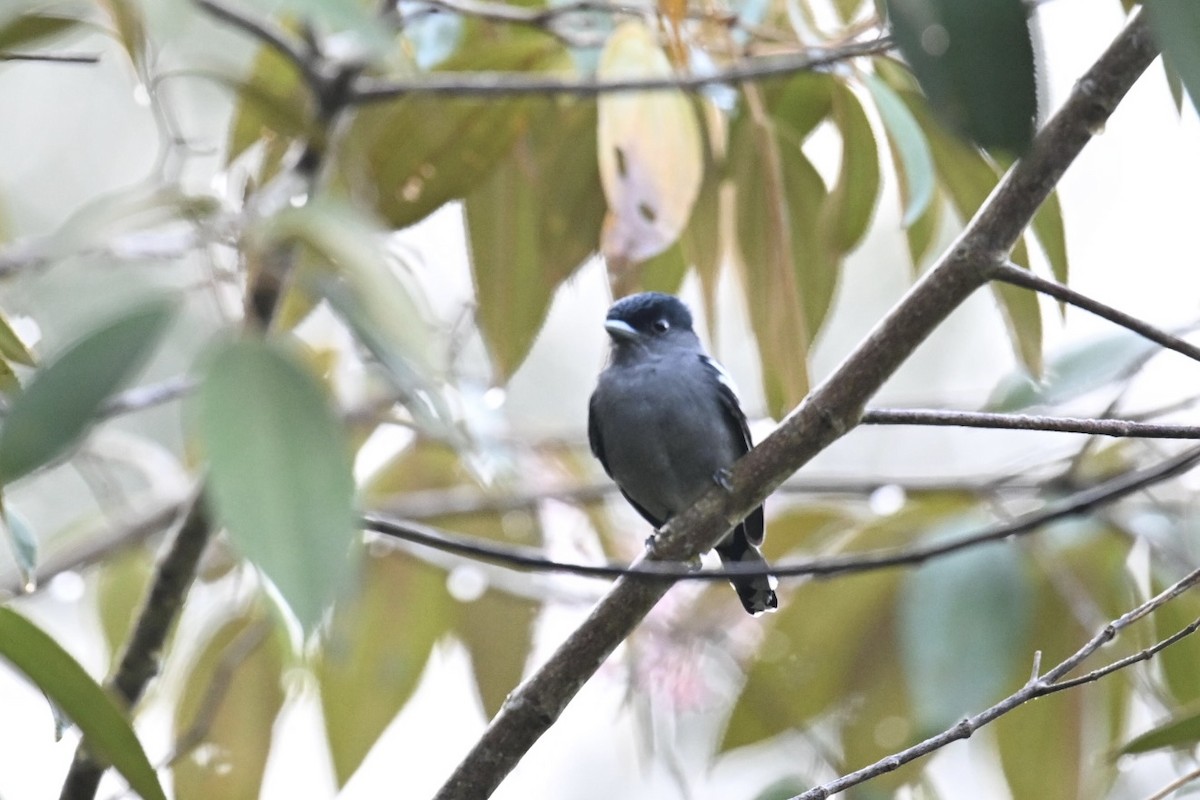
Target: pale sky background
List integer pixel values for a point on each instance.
(1131, 213)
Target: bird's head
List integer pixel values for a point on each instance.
(649, 319)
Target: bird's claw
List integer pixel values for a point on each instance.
(722, 478)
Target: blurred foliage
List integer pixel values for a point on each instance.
(737, 184)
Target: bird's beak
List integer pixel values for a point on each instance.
(620, 331)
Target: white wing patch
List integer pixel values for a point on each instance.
(724, 377)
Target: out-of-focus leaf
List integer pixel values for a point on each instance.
(33, 29)
(701, 241)
(1074, 371)
(1180, 731)
(24, 544)
(809, 662)
(1174, 83)
(272, 102)
(784, 789)
(406, 158)
(799, 105)
(279, 476)
(922, 234)
(373, 653)
(110, 217)
(847, 210)
(974, 60)
(230, 699)
(964, 623)
(11, 346)
(846, 10)
(662, 273)
(1048, 226)
(1176, 25)
(367, 37)
(57, 408)
(1023, 317)
(649, 151)
(530, 225)
(911, 149)
(106, 729)
(131, 28)
(120, 590)
(1178, 662)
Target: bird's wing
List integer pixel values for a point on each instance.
(735, 421)
(596, 441)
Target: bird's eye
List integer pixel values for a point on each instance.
(661, 326)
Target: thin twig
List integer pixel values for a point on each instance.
(528, 558)
(1038, 686)
(503, 84)
(53, 58)
(1029, 422)
(1010, 273)
(1175, 785)
(271, 35)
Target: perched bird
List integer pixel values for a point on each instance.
(666, 423)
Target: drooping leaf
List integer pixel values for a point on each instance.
(406, 158)
(649, 150)
(374, 651)
(273, 104)
(1023, 317)
(974, 60)
(964, 628)
(279, 475)
(1179, 731)
(913, 159)
(1074, 371)
(701, 241)
(105, 727)
(130, 28)
(33, 29)
(1176, 26)
(530, 225)
(851, 202)
(922, 234)
(228, 706)
(1177, 662)
(58, 406)
(121, 582)
(1048, 226)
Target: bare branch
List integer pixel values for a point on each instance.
(1048, 683)
(529, 558)
(832, 409)
(1028, 422)
(1175, 785)
(503, 84)
(1010, 273)
(53, 58)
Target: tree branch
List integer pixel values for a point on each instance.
(1038, 686)
(1028, 422)
(833, 408)
(1010, 273)
(533, 559)
(53, 58)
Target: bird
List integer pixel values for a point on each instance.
(665, 422)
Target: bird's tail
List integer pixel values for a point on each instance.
(757, 592)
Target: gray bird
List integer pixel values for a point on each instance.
(666, 423)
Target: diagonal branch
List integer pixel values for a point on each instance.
(832, 409)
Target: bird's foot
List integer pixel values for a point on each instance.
(722, 478)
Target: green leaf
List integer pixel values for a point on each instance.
(1048, 226)
(530, 225)
(923, 233)
(1176, 25)
(1180, 730)
(105, 727)
(846, 10)
(121, 582)
(131, 29)
(701, 242)
(24, 544)
(1023, 317)
(11, 346)
(663, 273)
(1074, 371)
(279, 474)
(974, 60)
(405, 159)
(964, 624)
(33, 29)
(57, 408)
(227, 709)
(1178, 662)
(911, 149)
(272, 102)
(847, 210)
(374, 651)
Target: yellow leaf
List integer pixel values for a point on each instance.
(650, 156)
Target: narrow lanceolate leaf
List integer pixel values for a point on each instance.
(1048, 227)
(279, 475)
(530, 225)
(406, 158)
(910, 147)
(650, 153)
(130, 27)
(57, 408)
(1181, 730)
(228, 706)
(1176, 25)
(33, 29)
(974, 60)
(105, 727)
(24, 544)
(851, 202)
